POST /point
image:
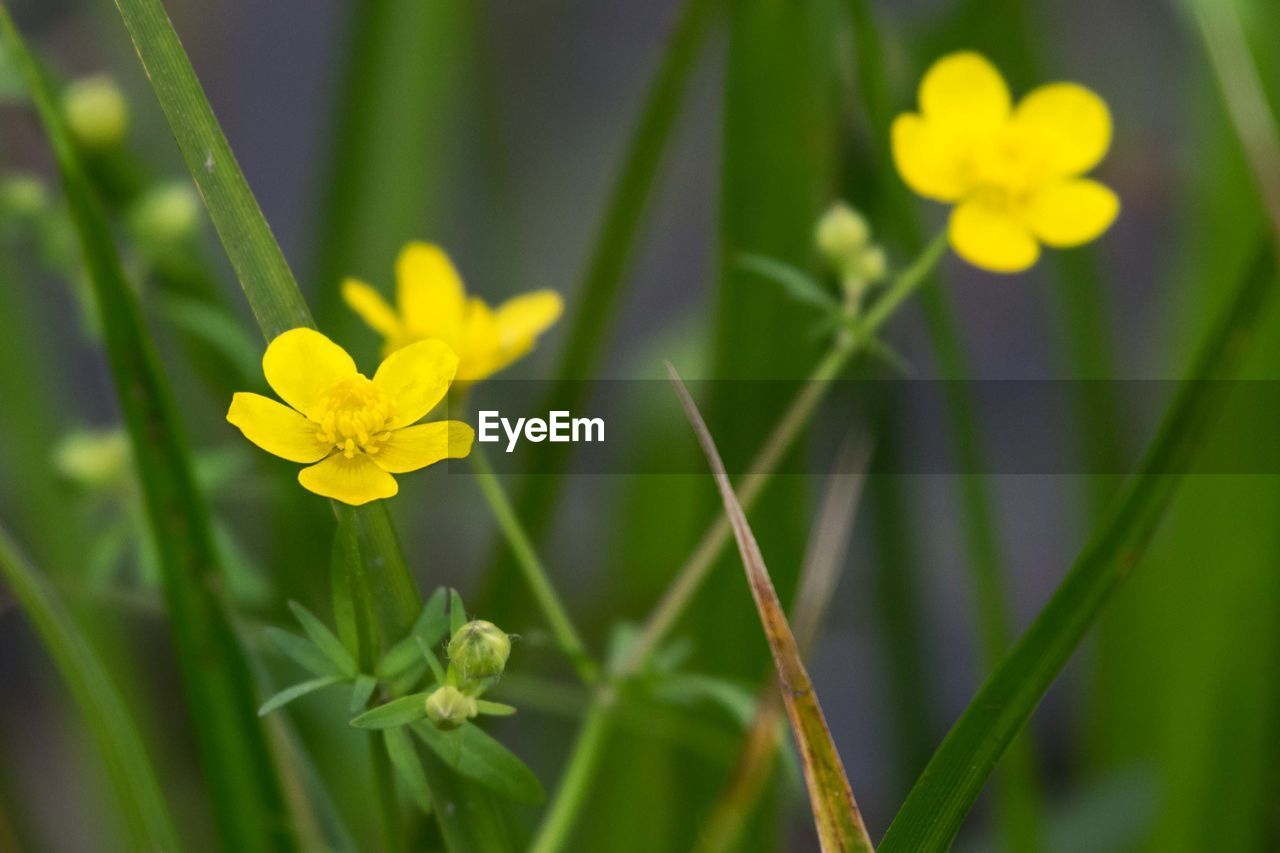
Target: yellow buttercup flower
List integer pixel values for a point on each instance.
(358, 431)
(432, 303)
(1012, 172)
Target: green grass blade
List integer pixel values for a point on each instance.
(937, 805)
(835, 814)
(246, 795)
(133, 780)
(264, 274)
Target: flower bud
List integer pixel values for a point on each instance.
(841, 233)
(93, 459)
(872, 264)
(96, 111)
(165, 214)
(479, 650)
(23, 196)
(448, 707)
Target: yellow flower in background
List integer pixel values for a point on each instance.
(1012, 172)
(357, 430)
(432, 303)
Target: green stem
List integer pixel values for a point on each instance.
(779, 443)
(535, 574)
(384, 782)
(571, 796)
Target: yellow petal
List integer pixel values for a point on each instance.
(991, 238)
(353, 481)
(302, 364)
(430, 292)
(418, 446)
(962, 94)
(1072, 212)
(483, 354)
(1068, 126)
(415, 378)
(372, 308)
(926, 160)
(528, 315)
(276, 428)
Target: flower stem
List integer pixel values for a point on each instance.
(589, 748)
(535, 574)
(385, 786)
(780, 441)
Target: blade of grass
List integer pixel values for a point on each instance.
(835, 814)
(264, 273)
(133, 779)
(937, 805)
(600, 287)
(247, 799)
(824, 558)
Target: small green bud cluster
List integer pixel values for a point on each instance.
(96, 111)
(844, 239)
(478, 653)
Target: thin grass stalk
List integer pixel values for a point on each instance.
(600, 287)
(937, 805)
(246, 794)
(133, 780)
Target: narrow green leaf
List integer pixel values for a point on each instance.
(471, 816)
(949, 785)
(133, 779)
(326, 641)
(210, 324)
(799, 285)
(397, 712)
(430, 628)
(457, 613)
(404, 757)
(247, 801)
(835, 814)
(284, 697)
(686, 688)
(476, 755)
(495, 709)
(302, 651)
(432, 661)
(361, 691)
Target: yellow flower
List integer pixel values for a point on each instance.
(1013, 173)
(433, 304)
(357, 429)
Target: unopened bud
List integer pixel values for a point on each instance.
(93, 459)
(23, 196)
(96, 111)
(165, 214)
(448, 707)
(872, 264)
(841, 233)
(479, 650)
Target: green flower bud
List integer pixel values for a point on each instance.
(872, 264)
(479, 650)
(165, 214)
(841, 233)
(448, 707)
(93, 459)
(23, 196)
(96, 111)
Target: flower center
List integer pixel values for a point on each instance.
(355, 417)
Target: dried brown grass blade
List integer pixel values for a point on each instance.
(835, 814)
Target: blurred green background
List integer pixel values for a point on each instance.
(498, 130)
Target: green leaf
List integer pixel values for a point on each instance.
(457, 613)
(797, 284)
(361, 691)
(474, 754)
(326, 641)
(495, 709)
(284, 697)
(133, 780)
(397, 712)
(835, 814)
(210, 324)
(437, 671)
(247, 801)
(303, 652)
(686, 688)
(949, 785)
(430, 628)
(404, 757)
(472, 818)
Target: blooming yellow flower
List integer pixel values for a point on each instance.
(1013, 173)
(358, 430)
(433, 304)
